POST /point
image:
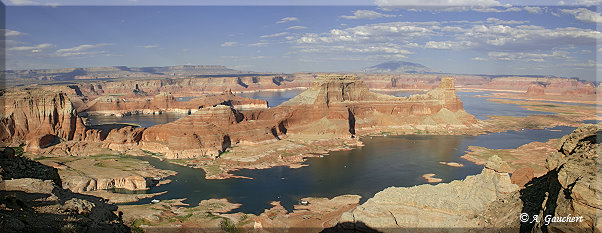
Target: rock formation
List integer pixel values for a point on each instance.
(535, 90)
(433, 206)
(42, 118)
(35, 202)
(165, 102)
(489, 200)
(340, 106)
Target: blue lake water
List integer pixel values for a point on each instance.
(383, 162)
(274, 98)
(143, 120)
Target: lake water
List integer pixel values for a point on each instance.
(143, 120)
(383, 162)
(274, 98)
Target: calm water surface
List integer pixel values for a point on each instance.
(382, 162)
(144, 120)
(274, 98)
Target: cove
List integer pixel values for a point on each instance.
(383, 162)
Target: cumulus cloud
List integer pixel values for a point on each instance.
(499, 21)
(374, 49)
(275, 35)
(366, 14)
(584, 14)
(229, 44)
(34, 49)
(533, 9)
(288, 19)
(437, 3)
(528, 57)
(8, 33)
(258, 44)
(447, 44)
(442, 5)
(149, 46)
(296, 28)
(382, 32)
(81, 50)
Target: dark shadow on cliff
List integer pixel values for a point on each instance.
(539, 198)
(350, 227)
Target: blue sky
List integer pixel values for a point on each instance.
(472, 37)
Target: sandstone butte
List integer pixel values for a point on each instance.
(335, 105)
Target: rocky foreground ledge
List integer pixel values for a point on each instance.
(32, 200)
(570, 190)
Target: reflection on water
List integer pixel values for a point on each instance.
(143, 120)
(381, 163)
(274, 98)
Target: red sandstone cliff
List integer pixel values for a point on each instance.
(165, 102)
(334, 105)
(40, 117)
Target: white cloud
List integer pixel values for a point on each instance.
(588, 2)
(527, 57)
(288, 19)
(8, 33)
(499, 21)
(258, 44)
(442, 5)
(365, 14)
(149, 46)
(23, 2)
(275, 35)
(34, 49)
(81, 50)
(584, 14)
(380, 49)
(382, 32)
(229, 44)
(296, 28)
(437, 3)
(527, 37)
(533, 9)
(447, 44)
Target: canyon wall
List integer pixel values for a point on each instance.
(165, 102)
(335, 105)
(40, 117)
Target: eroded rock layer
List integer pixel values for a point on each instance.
(340, 106)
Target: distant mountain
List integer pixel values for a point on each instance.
(399, 67)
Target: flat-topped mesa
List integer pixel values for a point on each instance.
(342, 104)
(328, 89)
(166, 102)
